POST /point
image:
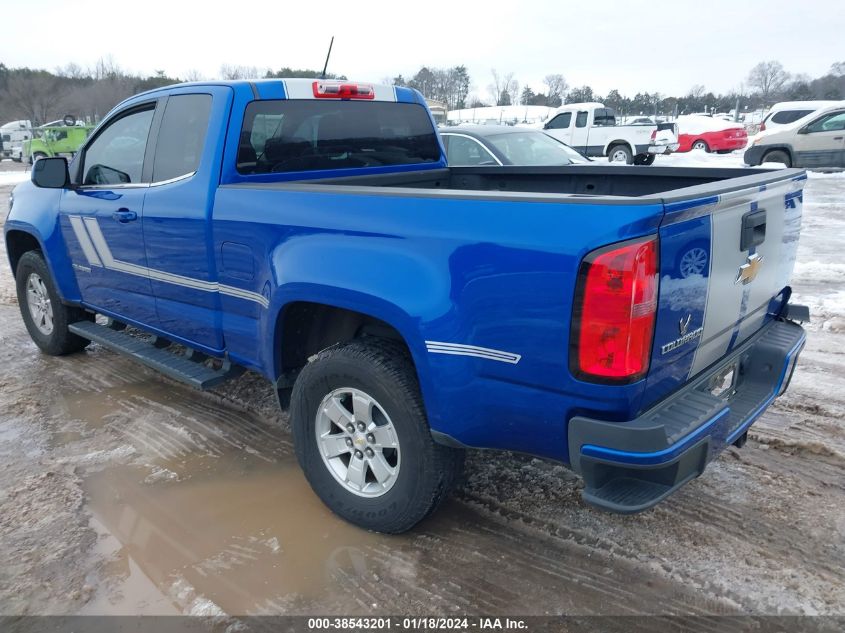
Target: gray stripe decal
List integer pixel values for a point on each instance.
(111, 263)
(458, 349)
(84, 241)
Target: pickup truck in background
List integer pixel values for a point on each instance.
(591, 128)
(629, 322)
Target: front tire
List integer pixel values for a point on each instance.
(362, 438)
(45, 316)
(777, 156)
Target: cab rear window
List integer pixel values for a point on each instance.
(305, 135)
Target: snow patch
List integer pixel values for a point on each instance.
(13, 177)
(819, 271)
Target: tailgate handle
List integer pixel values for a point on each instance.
(753, 229)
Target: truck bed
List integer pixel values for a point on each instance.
(648, 184)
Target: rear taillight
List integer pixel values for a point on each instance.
(615, 306)
(653, 134)
(340, 90)
(763, 126)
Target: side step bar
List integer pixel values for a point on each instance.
(179, 368)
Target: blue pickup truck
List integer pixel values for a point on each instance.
(629, 322)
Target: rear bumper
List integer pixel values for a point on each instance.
(731, 144)
(663, 149)
(631, 466)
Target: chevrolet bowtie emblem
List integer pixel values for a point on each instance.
(748, 271)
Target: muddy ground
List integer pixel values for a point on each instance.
(122, 492)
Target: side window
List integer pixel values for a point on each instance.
(561, 121)
(831, 123)
(465, 151)
(116, 156)
(181, 137)
(604, 117)
(581, 120)
(788, 116)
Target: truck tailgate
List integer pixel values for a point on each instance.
(725, 262)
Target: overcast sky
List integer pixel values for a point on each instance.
(632, 46)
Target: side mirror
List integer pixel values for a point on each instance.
(546, 126)
(50, 173)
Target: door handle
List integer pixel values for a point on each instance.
(124, 215)
(837, 138)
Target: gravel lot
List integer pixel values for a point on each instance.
(122, 492)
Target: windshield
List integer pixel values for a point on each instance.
(534, 148)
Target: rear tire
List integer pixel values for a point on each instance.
(777, 156)
(702, 145)
(620, 154)
(369, 381)
(45, 316)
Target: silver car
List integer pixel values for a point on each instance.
(816, 140)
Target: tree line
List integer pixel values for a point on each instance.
(88, 93)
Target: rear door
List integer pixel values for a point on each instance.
(822, 142)
(177, 216)
(725, 261)
(101, 217)
(581, 134)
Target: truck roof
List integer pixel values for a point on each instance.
(294, 87)
(580, 106)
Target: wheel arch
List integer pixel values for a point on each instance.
(22, 237)
(311, 321)
(19, 242)
(780, 147)
(610, 144)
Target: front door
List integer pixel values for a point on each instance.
(560, 127)
(822, 142)
(101, 218)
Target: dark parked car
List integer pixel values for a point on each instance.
(469, 145)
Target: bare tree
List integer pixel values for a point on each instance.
(229, 71)
(194, 75)
(105, 68)
(72, 70)
(38, 97)
(501, 86)
(697, 91)
(556, 87)
(768, 78)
